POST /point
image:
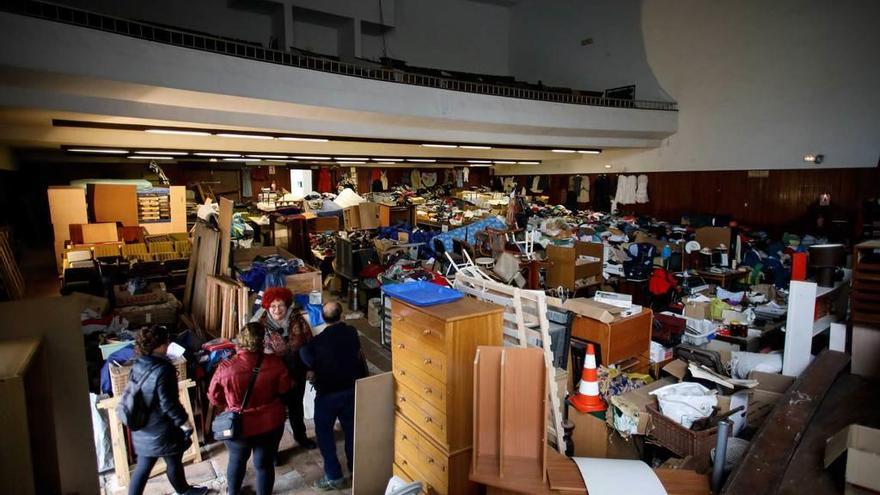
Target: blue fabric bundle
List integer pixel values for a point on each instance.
(269, 272)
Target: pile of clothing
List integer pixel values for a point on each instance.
(270, 272)
(323, 242)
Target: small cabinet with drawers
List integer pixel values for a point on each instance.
(433, 351)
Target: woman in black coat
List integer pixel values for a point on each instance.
(167, 433)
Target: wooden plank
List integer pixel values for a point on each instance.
(373, 434)
(487, 409)
(523, 413)
(771, 450)
(224, 223)
(99, 232)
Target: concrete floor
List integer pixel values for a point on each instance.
(299, 468)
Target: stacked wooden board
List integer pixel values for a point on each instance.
(866, 284)
(226, 306)
(10, 275)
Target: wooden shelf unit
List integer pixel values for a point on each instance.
(433, 352)
(865, 296)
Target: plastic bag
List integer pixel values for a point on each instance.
(685, 402)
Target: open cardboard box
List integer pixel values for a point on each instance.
(299, 283)
(634, 404)
(590, 308)
(862, 447)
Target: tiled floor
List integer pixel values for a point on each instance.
(299, 468)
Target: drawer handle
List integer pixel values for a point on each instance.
(426, 331)
(428, 361)
(401, 346)
(404, 462)
(397, 317)
(430, 460)
(402, 372)
(403, 437)
(428, 390)
(428, 419)
(402, 399)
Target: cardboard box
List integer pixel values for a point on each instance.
(697, 310)
(369, 215)
(605, 313)
(862, 447)
(351, 218)
(114, 203)
(634, 405)
(298, 283)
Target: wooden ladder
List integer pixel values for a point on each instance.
(524, 310)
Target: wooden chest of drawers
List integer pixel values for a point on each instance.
(433, 351)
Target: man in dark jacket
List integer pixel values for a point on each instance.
(336, 359)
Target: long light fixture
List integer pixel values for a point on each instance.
(303, 157)
(244, 136)
(589, 152)
(241, 159)
(563, 151)
(528, 163)
(479, 161)
(218, 155)
(386, 163)
(504, 162)
(350, 158)
(271, 157)
(474, 147)
(107, 151)
(163, 152)
(480, 165)
(178, 132)
(387, 159)
(351, 163)
(421, 160)
(149, 157)
(308, 140)
(432, 145)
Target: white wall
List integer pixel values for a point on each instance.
(209, 16)
(759, 85)
(545, 44)
(452, 34)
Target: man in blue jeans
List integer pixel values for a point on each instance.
(336, 360)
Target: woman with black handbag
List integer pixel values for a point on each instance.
(250, 387)
(166, 431)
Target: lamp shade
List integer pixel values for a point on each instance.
(827, 255)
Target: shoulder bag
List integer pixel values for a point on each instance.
(227, 425)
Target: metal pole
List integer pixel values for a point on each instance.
(720, 455)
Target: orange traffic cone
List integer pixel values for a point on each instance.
(587, 399)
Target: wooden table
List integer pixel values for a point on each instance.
(120, 447)
(723, 279)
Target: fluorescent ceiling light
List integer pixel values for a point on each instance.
(562, 151)
(272, 157)
(607, 166)
(148, 157)
(504, 162)
(179, 132)
(529, 163)
(310, 140)
(350, 159)
(481, 165)
(352, 163)
(221, 155)
(290, 161)
(479, 161)
(421, 160)
(107, 151)
(474, 147)
(241, 159)
(589, 152)
(163, 152)
(244, 136)
(312, 157)
(430, 145)
(387, 159)
(386, 163)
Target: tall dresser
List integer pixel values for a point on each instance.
(433, 351)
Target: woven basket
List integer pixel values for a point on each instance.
(119, 374)
(680, 440)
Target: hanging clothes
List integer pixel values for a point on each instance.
(536, 184)
(584, 192)
(632, 182)
(620, 194)
(383, 177)
(459, 177)
(602, 193)
(246, 186)
(324, 181)
(642, 189)
(466, 174)
(429, 179)
(416, 178)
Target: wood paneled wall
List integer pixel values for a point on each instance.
(780, 200)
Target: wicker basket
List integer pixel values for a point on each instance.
(680, 440)
(119, 374)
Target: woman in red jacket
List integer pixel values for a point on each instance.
(263, 419)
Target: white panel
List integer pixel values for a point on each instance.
(799, 327)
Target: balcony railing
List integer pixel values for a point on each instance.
(235, 48)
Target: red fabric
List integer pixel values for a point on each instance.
(324, 180)
(274, 293)
(799, 266)
(661, 282)
(265, 411)
(375, 175)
